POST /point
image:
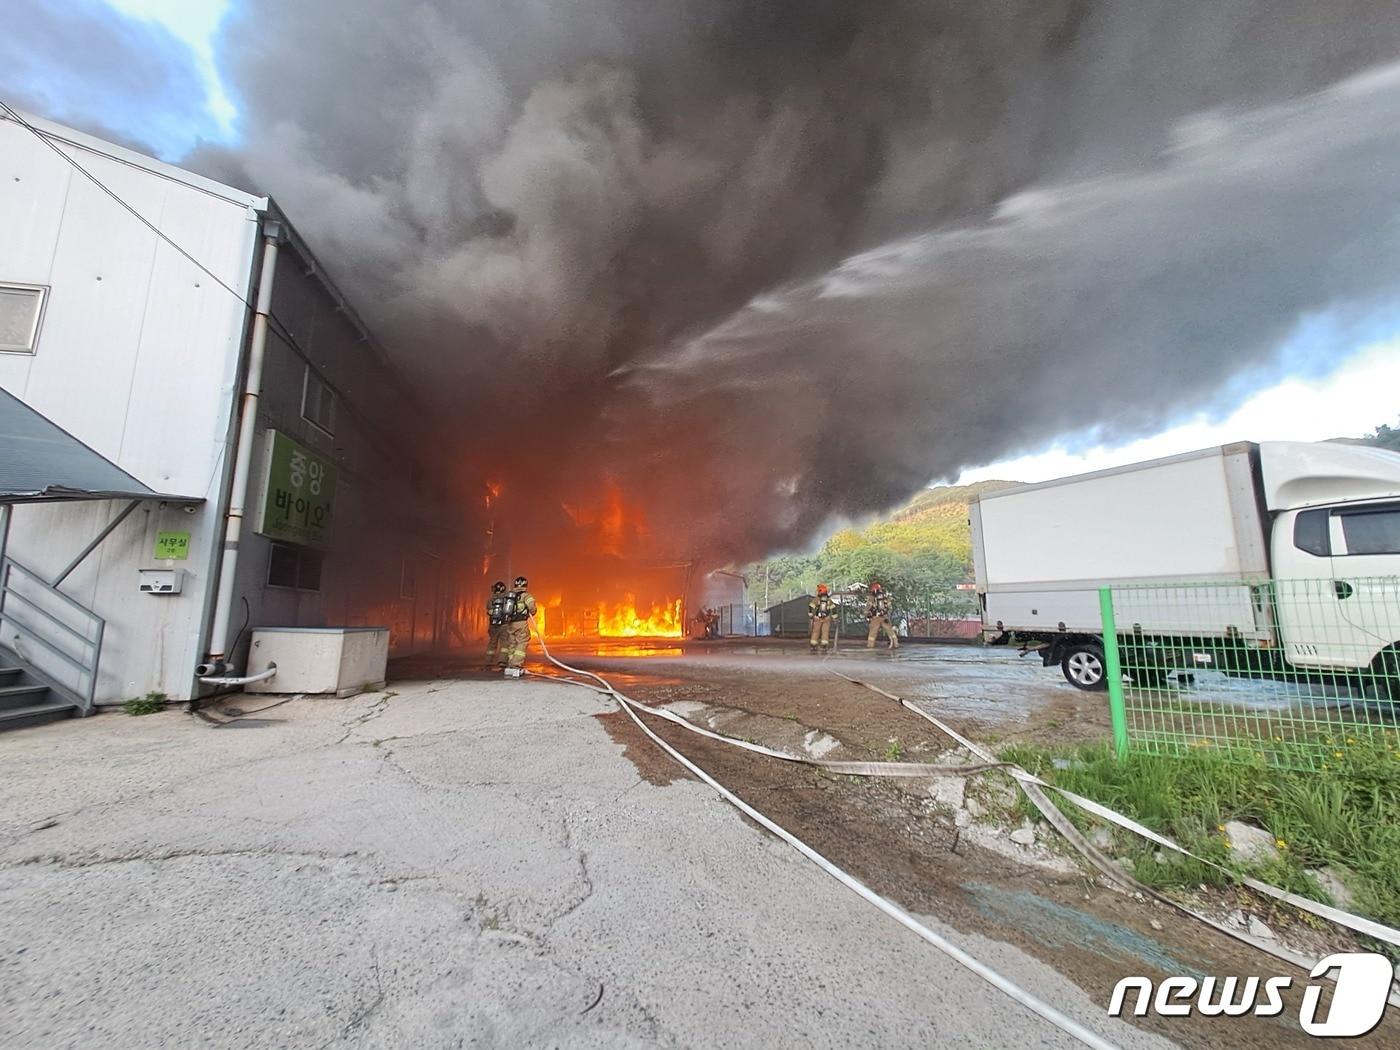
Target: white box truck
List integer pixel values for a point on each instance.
(1279, 546)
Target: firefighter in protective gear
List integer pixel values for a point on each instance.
(522, 610)
(821, 610)
(498, 609)
(878, 610)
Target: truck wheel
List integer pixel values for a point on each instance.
(1083, 666)
(1387, 671)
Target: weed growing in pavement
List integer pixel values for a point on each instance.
(894, 752)
(145, 705)
(1347, 817)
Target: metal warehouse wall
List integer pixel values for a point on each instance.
(136, 356)
(390, 524)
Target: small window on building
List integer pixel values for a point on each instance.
(1310, 532)
(1373, 531)
(21, 308)
(296, 568)
(318, 402)
(309, 571)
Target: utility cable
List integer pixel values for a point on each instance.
(46, 140)
(276, 322)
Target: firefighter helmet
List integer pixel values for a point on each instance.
(499, 587)
(875, 587)
(521, 583)
(823, 589)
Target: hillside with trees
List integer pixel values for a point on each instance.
(1384, 437)
(921, 552)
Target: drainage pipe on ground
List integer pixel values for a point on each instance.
(261, 676)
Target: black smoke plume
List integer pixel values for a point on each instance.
(760, 264)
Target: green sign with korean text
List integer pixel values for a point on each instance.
(299, 493)
(172, 546)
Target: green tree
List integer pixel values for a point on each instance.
(921, 553)
(782, 577)
(1384, 437)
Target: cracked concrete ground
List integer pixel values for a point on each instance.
(455, 864)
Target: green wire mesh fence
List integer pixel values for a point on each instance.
(1303, 674)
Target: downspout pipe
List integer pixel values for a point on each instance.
(242, 471)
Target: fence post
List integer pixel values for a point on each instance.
(1113, 671)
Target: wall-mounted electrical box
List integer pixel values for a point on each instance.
(162, 581)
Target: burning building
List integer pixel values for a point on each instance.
(695, 281)
(143, 530)
(591, 563)
(679, 285)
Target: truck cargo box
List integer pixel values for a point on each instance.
(1042, 551)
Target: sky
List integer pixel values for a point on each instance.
(1353, 400)
(194, 23)
(181, 100)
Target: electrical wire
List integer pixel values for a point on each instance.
(247, 618)
(46, 140)
(275, 323)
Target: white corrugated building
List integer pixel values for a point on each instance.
(124, 352)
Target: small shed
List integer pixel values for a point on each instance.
(789, 619)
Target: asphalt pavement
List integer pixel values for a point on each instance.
(455, 863)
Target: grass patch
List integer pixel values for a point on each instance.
(1347, 817)
(894, 752)
(146, 705)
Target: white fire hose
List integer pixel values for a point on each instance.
(1034, 788)
(1033, 785)
(894, 911)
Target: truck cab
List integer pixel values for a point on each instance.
(1335, 552)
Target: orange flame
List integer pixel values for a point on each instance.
(624, 621)
(612, 522)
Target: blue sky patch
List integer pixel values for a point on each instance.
(84, 63)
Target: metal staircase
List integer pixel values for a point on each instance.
(26, 699)
(49, 650)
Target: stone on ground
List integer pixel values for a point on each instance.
(1248, 844)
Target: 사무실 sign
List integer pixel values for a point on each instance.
(298, 495)
(172, 546)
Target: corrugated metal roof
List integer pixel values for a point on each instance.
(42, 462)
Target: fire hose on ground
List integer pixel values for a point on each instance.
(1020, 995)
(1034, 788)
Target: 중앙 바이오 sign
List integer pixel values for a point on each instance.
(298, 495)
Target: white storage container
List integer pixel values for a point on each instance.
(339, 660)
